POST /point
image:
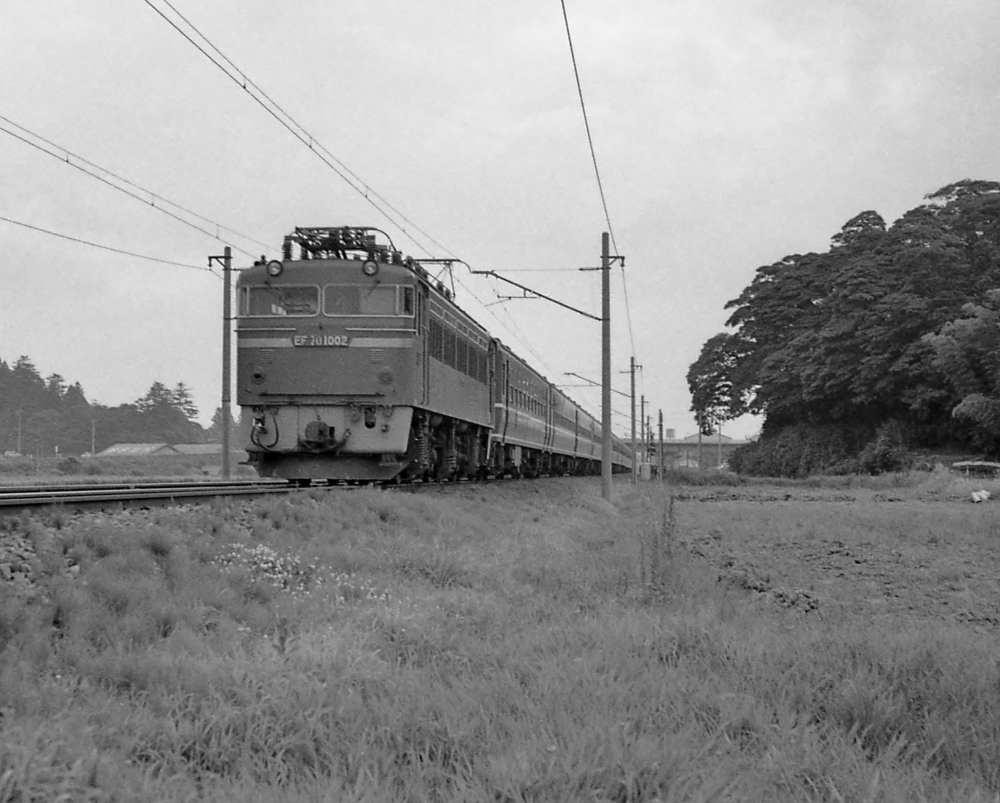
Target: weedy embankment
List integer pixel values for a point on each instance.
(521, 642)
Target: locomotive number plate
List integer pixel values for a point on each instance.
(321, 340)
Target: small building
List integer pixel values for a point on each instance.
(199, 448)
(138, 450)
(713, 452)
(211, 450)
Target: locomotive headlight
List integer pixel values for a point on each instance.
(370, 268)
(274, 268)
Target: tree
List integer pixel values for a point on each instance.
(841, 338)
(715, 396)
(163, 415)
(181, 398)
(967, 351)
(214, 432)
(157, 398)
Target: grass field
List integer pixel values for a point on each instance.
(515, 642)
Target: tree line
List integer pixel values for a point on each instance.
(888, 341)
(47, 416)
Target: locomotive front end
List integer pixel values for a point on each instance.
(328, 357)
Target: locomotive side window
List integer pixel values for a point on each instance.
(450, 347)
(406, 300)
(279, 301)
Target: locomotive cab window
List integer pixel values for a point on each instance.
(279, 301)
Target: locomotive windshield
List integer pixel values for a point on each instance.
(378, 300)
(283, 300)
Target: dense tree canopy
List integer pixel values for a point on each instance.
(889, 325)
(47, 416)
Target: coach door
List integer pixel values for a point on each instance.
(423, 356)
(550, 429)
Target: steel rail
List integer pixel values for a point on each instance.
(13, 498)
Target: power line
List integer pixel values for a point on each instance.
(345, 173)
(586, 123)
(103, 247)
(597, 171)
(299, 132)
(295, 128)
(65, 155)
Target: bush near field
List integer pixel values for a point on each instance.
(801, 450)
(527, 642)
(12, 469)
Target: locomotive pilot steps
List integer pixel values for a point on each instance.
(355, 365)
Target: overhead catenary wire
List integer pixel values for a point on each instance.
(103, 247)
(239, 77)
(295, 128)
(64, 156)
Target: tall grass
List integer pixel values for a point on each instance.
(500, 644)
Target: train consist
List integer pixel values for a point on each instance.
(354, 364)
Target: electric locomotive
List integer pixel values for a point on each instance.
(355, 364)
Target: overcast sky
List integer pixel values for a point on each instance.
(729, 133)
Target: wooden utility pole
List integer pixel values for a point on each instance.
(605, 368)
(719, 425)
(227, 314)
(642, 427)
(700, 420)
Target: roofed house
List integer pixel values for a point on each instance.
(713, 451)
(199, 448)
(138, 450)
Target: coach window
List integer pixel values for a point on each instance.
(283, 300)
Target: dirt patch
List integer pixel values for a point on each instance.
(912, 560)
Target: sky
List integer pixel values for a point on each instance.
(727, 133)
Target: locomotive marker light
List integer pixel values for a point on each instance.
(370, 268)
(274, 268)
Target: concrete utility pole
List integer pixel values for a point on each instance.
(635, 462)
(605, 319)
(605, 368)
(227, 314)
(660, 462)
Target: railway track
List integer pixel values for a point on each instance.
(93, 495)
(137, 494)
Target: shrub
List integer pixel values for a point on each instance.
(799, 451)
(885, 452)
